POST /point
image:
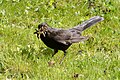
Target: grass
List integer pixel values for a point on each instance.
(24, 57)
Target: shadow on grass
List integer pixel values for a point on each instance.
(46, 51)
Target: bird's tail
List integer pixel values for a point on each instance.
(88, 23)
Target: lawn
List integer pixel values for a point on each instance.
(24, 57)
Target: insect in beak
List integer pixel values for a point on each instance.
(38, 32)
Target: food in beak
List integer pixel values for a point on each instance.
(38, 33)
(43, 33)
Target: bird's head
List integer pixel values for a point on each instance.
(42, 29)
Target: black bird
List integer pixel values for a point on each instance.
(60, 39)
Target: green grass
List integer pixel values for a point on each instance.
(24, 57)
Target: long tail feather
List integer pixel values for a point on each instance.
(88, 23)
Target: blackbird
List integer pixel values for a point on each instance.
(61, 39)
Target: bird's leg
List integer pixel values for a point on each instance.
(55, 51)
(63, 57)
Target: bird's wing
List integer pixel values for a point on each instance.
(59, 35)
(66, 37)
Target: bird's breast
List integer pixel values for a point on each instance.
(50, 42)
